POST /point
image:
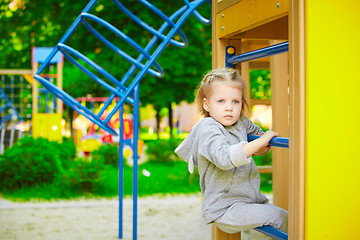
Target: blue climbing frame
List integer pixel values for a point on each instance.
(8, 108)
(127, 91)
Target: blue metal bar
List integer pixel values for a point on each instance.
(75, 105)
(156, 54)
(181, 15)
(135, 159)
(159, 72)
(147, 49)
(121, 171)
(260, 53)
(150, 29)
(65, 37)
(64, 49)
(150, 45)
(272, 232)
(8, 104)
(274, 142)
(198, 15)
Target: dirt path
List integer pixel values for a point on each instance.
(159, 218)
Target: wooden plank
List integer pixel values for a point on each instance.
(280, 124)
(277, 29)
(266, 102)
(249, 14)
(235, 236)
(15, 71)
(223, 4)
(297, 119)
(265, 169)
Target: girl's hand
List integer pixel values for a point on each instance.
(259, 145)
(268, 135)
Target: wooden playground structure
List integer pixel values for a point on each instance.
(310, 179)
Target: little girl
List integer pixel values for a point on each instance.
(217, 145)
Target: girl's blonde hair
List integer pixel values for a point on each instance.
(225, 76)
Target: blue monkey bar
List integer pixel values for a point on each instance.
(275, 141)
(127, 91)
(118, 89)
(259, 53)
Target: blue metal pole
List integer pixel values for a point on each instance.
(135, 159)
(275, 142)
(272, 232)
(121, 170)
(65, 37)
(259, 53)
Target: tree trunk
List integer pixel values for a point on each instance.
(171, 120)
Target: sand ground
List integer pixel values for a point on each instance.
(171, 218)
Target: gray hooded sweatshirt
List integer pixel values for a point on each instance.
(227, 176)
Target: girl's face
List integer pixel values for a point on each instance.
(224, 104)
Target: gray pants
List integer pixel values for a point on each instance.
(242, 217)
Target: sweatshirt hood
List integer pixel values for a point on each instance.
(188, 149)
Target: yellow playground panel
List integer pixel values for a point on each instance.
(47, 125)
(314, 101)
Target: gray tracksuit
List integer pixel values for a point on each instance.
(227, 176)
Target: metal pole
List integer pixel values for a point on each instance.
(135, 159)
(260, 53)
(274, 142)
(121, 170)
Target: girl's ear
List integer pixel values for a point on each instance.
(206, 105)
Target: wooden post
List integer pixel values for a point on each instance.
(59, 81)
(218, 61)
(217, 234)
(297, 119)
(245, 73)
(280, 123)
(35, 90)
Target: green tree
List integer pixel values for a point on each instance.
(42, 23)
(260, 84)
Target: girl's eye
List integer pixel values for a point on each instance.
(235, 101)
(221, 101)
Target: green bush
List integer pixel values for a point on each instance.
(84, 175)
(68, 149)
(30, 162)
(108, 154)
(162, 150)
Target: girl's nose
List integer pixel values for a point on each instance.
(228, 107)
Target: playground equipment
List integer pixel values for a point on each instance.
(8, 113)
(46, 120)
(303, 87)
(88, 137)
(126, 90)
(35, 106)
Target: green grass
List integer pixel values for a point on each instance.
(165, 178)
